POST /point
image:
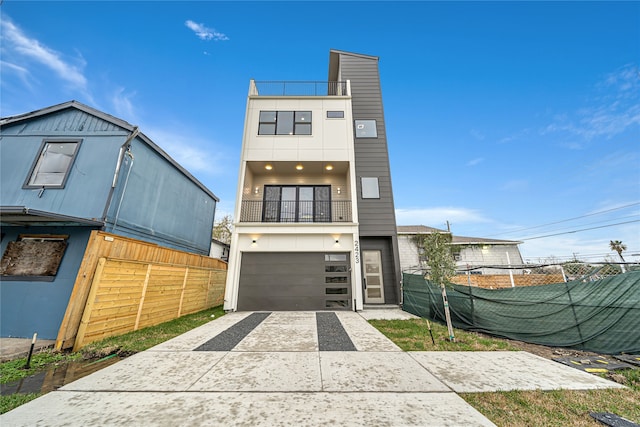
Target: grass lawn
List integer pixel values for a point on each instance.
(520, 408)
(123, 345)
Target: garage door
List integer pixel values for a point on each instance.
(294, 281)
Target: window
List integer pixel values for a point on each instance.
(34, 257)
(289, 203)
(335, 114)
(53, 164)
(370, 189)
(366, 129)
(285, 123)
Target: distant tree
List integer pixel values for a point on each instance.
(619, 247)
(223, 229)
(442, 267)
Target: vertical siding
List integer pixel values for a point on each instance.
(376, 216)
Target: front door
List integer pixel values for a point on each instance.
(374, 292)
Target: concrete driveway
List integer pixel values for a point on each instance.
(292, 368)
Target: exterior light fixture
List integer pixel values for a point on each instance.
(337, 241)
(268, 167)
(299, 167)
(256, 190)
(329, 167)
(338, 190)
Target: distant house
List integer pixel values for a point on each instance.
(468, 251)
(67, 170)
(219, 250)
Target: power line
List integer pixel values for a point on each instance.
(583, 229)
(565, 220)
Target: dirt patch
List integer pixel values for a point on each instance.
(550, 352)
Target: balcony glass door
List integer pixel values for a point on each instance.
(288, 203)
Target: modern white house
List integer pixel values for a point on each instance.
(468, 252)
(314, 225)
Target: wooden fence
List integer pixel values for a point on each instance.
(498, 281)
(125, 284)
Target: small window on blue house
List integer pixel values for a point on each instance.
(53, 164)
(33, 257)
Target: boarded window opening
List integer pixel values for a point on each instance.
(33, 256)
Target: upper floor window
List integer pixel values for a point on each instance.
(370, 188)
(366, 129)
(52, 166)
(335, 114)
(285, 123)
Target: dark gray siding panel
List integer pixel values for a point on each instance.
(385, 245)
(376, 217)
(286, 281)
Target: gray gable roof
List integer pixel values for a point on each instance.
(6, 121)
(455, 240)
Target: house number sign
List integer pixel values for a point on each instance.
(356, 253)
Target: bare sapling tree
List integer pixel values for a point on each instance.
(442, 267)
(223, 229)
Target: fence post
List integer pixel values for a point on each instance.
(575, 316)
(513, 285)
(144, 292)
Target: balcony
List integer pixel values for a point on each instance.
(296, 211)
(299, 88)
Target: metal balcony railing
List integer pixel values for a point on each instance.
(300, 88)
(296, 211)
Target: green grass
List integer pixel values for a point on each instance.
(12, 401)
(143, 339)
(13, 370)
(521, 408)
(413, 335)
(123, 345)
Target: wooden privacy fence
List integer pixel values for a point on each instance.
(498, 281)
(127, 262)
(128, 295)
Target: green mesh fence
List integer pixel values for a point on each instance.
(602, 316)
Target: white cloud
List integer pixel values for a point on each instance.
(614, 110)
(186, 150)
(475, 161)
(476, 134)
(515, 185)
(123, 104)
(205, 33)
(437, 217)
(20, 45)
(22, 72)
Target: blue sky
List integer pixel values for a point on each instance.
(510, 120)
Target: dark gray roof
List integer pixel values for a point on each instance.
(455, 240)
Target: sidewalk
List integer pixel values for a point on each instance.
(14, 348)
(259, 369)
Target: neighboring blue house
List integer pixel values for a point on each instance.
(69, 169)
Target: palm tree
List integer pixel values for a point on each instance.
(618, 246)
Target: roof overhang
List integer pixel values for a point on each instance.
(23, 216)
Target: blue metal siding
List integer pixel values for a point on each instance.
(160, 204)
(87, 188)
(27, 307)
